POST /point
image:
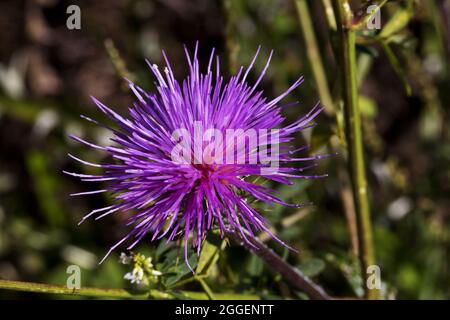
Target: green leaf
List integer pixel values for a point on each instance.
(350, 269)
(397, 22)
(208, 256)
(162, 248)
(312, 267)
(396, 66)
(255, 266)
(179, 271)
(46, 187)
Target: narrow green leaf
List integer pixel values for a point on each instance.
(312, 267)
(207, 256)
(397, 22)
(393, 60)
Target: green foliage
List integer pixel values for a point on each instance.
(403, 73)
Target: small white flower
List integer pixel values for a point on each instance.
(143, 270)
(148, 263)
(136, 276)
(156, 273)
(129, 276)
(124, 259)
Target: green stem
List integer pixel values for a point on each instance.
(231, 41)
(114, 293)
(211, 295)
(312, 50)
(354, 137)
(329, 13)
(117, 61)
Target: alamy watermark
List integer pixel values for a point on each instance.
(374, 277)
(200, 146)
(73, 22)
(374, 23)
(74, 279)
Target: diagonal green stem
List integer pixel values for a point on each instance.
(312, 50)
(115, 293)
(352, 117)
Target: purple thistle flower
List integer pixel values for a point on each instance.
(186, 200)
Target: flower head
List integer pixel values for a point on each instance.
(186, 157)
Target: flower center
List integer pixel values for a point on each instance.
(205, 170)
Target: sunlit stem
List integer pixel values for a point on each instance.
(353, 132)
(115, 293)
(312, 50)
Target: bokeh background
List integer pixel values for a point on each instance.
(48, 72)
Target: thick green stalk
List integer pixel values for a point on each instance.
(114, 293)
(354, 139)
(312, 50)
